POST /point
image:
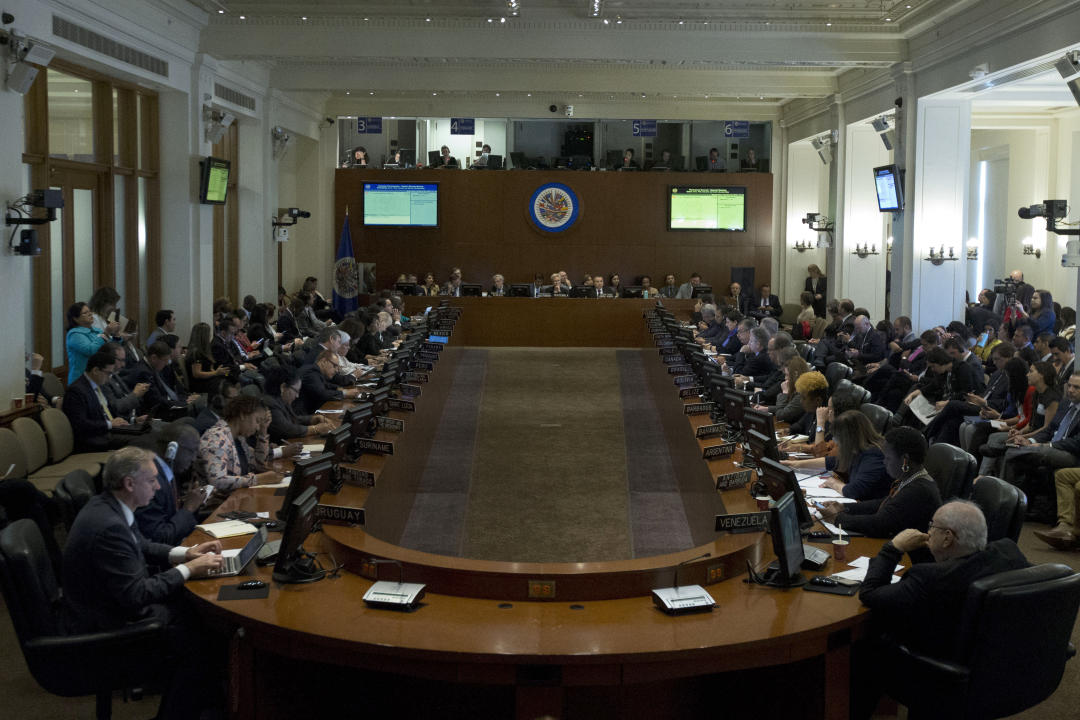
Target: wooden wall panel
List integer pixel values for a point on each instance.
(484, 227)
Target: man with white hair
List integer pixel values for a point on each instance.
(924, 609)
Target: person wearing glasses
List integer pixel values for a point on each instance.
(924, 611)
(912, 499)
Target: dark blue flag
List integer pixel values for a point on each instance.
(346, 274)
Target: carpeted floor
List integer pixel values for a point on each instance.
(549, 471)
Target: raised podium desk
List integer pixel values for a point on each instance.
(598, 649)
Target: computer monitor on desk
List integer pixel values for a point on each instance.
(632, 291)
(759, 420)
(780, 479)
(518, 158)
(471, 290)
(407, 288)
(521, 290)
(494, 162)
(700, 290)
(337, 443)
(433, 158)
(315, 472)
(761, 446)
(294, 565)
(735, 401)
(787, 543)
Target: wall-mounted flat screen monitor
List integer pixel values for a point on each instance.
(890, 190)
(401, 204)
(707, 208)
(213, 180)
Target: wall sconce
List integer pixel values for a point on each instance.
(865, 251)
(803, 246)
(973, 252)
(1030, 249)
(888, 246)
(938, 257)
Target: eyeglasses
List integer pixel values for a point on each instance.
(942, 528)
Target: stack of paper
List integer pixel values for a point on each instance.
(227, 528)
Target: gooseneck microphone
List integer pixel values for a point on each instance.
(675, 584)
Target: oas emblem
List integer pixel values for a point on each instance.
(346, 278)
(554, 207)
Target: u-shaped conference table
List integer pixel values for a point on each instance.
(597, 635)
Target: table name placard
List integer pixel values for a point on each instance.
(684, 380)
(425, 365)
(416, 377)
(441, 333)
(356, 476)
(679, 369)
(698, 408)
(733, 481)
(432, 347)
(339, 515)
(665, 344)
(743, 522)
(714, 452)
(662, 336)
(383, 447)
(694, 391)
(445, 325)
(390, 424)
(710, 430)
(428, 357)
(406, 405)
(666, 351)
(410, 390)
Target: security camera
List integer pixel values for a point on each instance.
(329, 121)
(1055, 209)
(298, 213)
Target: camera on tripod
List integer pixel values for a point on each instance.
(1007, 289)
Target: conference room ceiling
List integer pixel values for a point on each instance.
(760, 51)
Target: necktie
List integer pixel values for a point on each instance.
(1066, 424)
(104, 404)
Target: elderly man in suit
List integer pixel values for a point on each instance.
(107, 576)
(764, 305)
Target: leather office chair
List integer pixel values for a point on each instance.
(1010, 651)
(1003, 504)
(69, 665)
(881, 418)
(72, 493)
(835, 372)
(952, 469)
(856, 392)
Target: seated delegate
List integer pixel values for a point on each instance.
(858, 468)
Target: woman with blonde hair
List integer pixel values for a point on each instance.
(816, 286)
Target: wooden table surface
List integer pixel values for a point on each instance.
(467, 633)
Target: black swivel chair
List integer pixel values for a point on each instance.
(856, 392)
(836, 372)
(1010, 652)
(952, 469)
(881, 418)
(71, 494)
(69, 665)
(1003, 504)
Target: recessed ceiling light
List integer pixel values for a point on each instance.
(497, 94)
(243, 17)
(888, 19)
(490, 20)
(606, 21)
(618, 21)
(434, 94)
(304, 18)
(580, 95)
(642, 94)
(346, 92)
(371, 93)
(427, 19)
(502, 20)
(222, 12)
(528, 95)
(706, 96)
(828, 24)
(680, 22)
(706, 22)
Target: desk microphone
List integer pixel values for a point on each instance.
(675, 584)
(170, 453)
(390, 596)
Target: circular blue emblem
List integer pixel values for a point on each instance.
(554, 208)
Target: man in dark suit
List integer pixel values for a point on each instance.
(598, 290)
(973, 372)
(866, 345)
(979, 316)
(764, 305)
(925, 609)
(286, 325)
(169, 517)
(1063, 358)
(87, 409)
(159, 396)
(1055, 446)
(106, 572)
(755, 365)
(316, 386)
(122, 397)
(670, 289)
(282, 391)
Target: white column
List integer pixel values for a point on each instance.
(939, 210)
(837, 281)
(864, 277)
(804, 178)
(15, 270)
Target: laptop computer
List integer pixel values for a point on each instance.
(235, 564)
